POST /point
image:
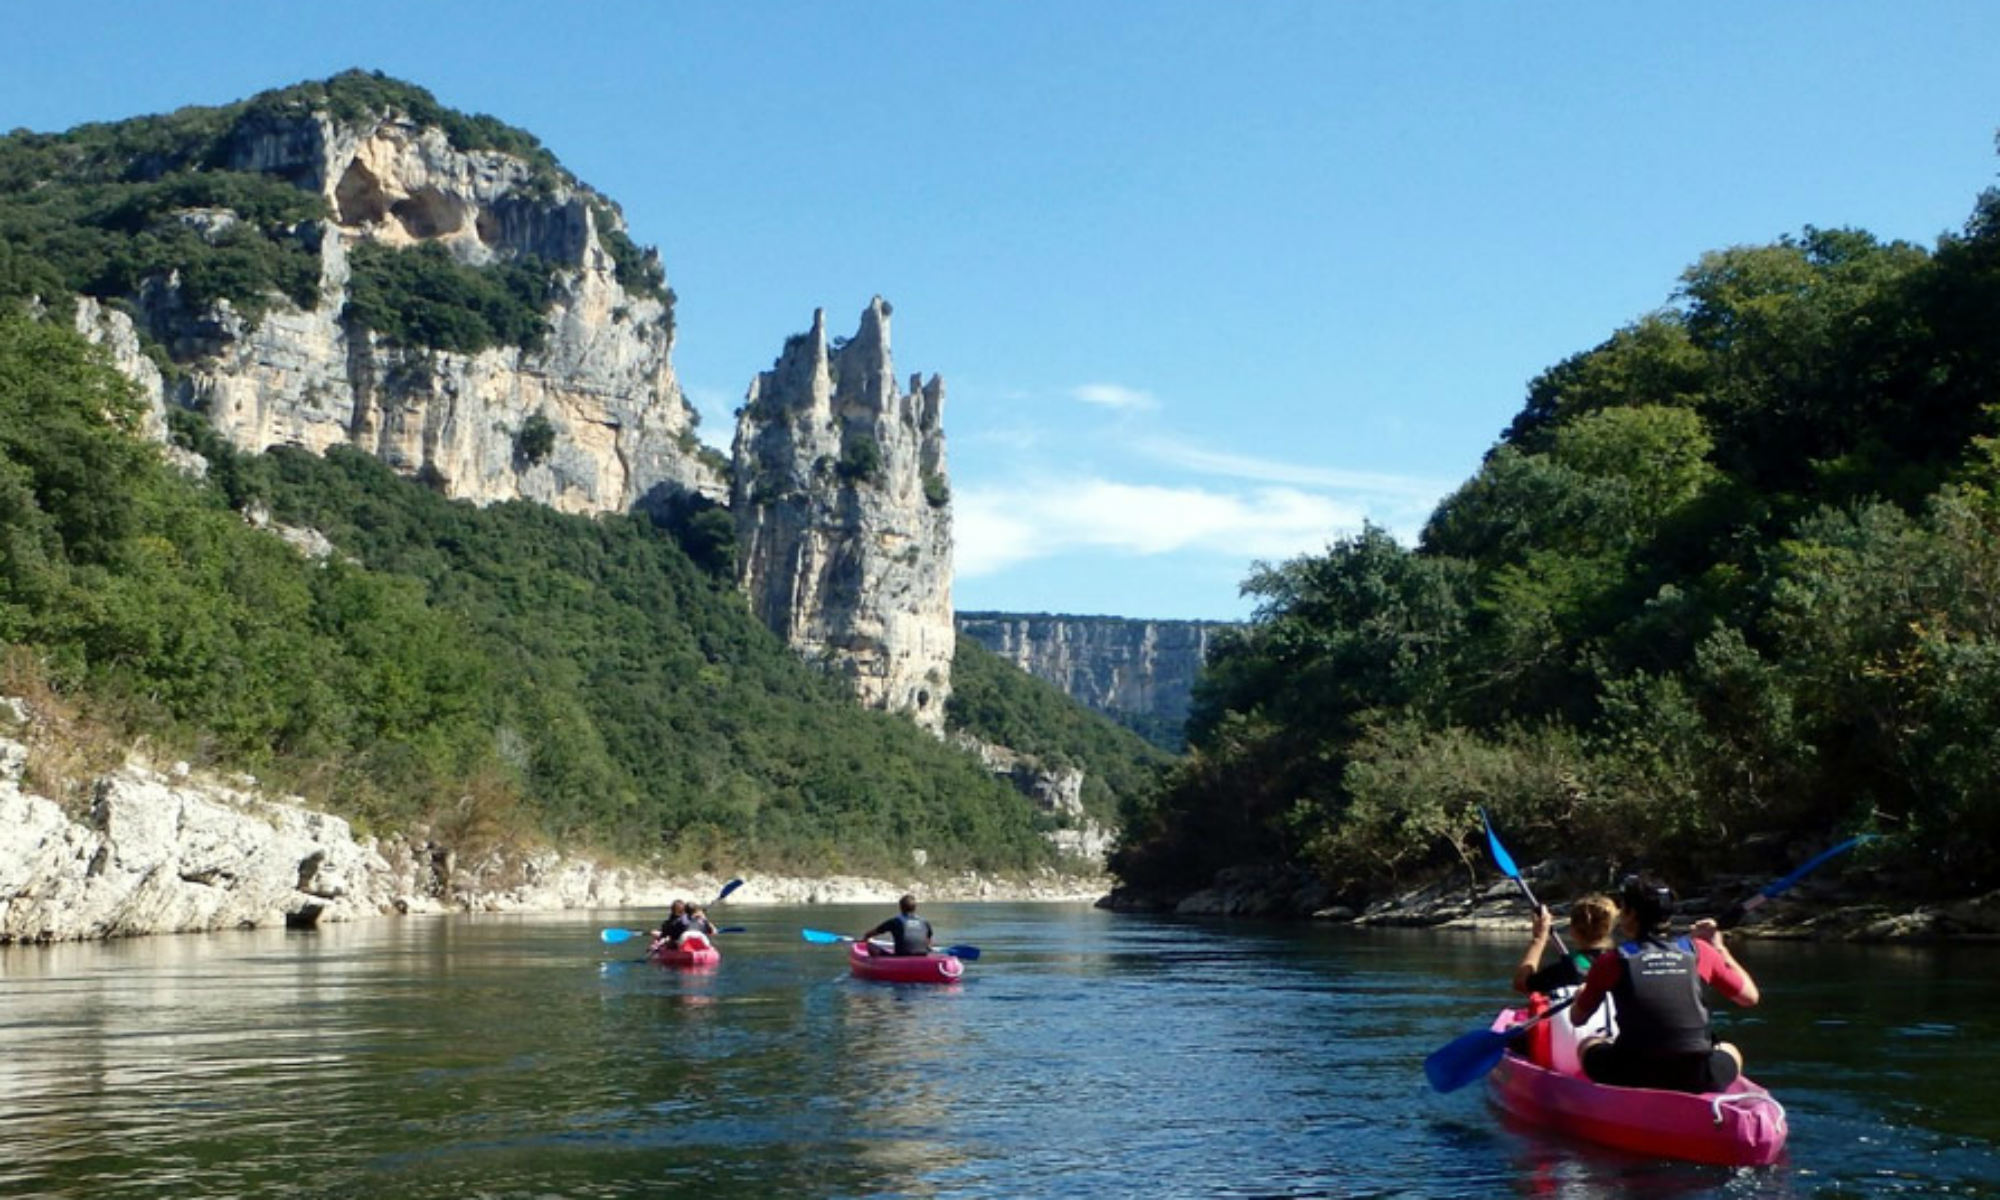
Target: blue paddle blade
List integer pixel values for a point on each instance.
(822, 937)
(1501, 858)
(613, 937)
(733, 929)
(727, 888)
(968, 953)
(1465, 1059)
(1815, 861)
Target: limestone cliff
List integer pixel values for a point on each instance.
(601, 381)
(843, 515)
(1113, 664)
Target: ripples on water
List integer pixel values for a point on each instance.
(1085, 1055)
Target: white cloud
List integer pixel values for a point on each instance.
(1266, 470)
(1115, 396)
(998, 527)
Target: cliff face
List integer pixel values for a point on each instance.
(603, 380)
(1112, 664)
(843, 515)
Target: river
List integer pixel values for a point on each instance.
(1086, 1054)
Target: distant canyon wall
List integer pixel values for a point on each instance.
(1117, 665)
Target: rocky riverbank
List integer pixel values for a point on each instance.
(1823, 909)
(137, 849)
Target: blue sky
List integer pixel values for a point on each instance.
(1207, 282)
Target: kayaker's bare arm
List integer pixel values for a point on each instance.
(1602, 978)
(1531, 960)
(1746, 994)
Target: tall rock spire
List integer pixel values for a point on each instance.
(843, 515)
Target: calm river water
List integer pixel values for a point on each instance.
(1087, 1054)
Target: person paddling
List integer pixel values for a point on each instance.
(1663, 1040)
(675, 925)
(911, 934)
(698, 922)
(1590, 927)
(1590, 922)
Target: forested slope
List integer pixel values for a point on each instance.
(1728, 584)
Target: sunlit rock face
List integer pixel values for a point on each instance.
(604, 380)
(843, 515)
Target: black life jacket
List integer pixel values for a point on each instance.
(912, 934)
(1659, 999)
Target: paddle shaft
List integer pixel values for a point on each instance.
(1537, 906)
(1505, 862)
(1743, 908)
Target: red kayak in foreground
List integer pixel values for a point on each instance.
(1740, 1127)
(695, 950)
(903, 968)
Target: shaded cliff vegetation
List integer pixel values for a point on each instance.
(1729, 585)
(510, 669)
(104, 210)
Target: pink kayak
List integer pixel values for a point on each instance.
(695, 950)
(1740, 1127)
(903, 968)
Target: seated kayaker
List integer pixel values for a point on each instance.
(1663, 1036)
(909, 933)
(698, 922)
(674, 926)
(1590, 922)
(1590, 925)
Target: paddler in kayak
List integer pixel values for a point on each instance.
(1590, 922)
(674, 926)
(698, 922)
(1590, 927)
(910, 933)
(1663, 1037)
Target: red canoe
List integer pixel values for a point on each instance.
(903, 968)
(695, 950)
(1742, 1126)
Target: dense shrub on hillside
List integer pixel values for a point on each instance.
(1724, 588)
(101, 209)
(421, 297)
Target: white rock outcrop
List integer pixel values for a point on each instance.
(1057, 791)
(309, 377)
(843, 515)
